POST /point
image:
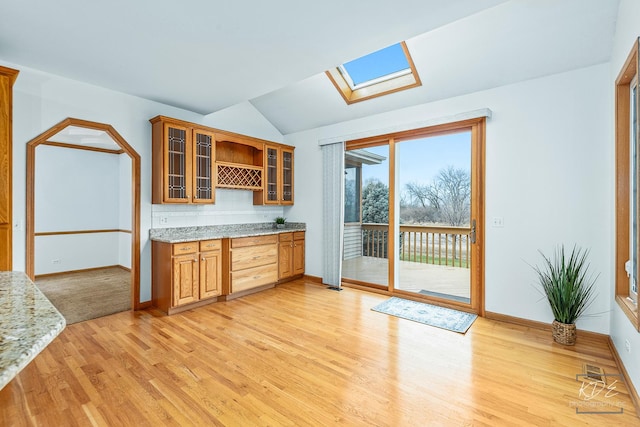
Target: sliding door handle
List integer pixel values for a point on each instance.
(472, 235)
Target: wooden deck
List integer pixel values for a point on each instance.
(414, 276)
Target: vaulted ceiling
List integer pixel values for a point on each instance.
(207, 55)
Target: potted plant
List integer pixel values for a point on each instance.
(568, 287)
(280, 221)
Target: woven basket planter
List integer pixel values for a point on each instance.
(564, 333)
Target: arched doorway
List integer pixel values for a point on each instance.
(105, 133)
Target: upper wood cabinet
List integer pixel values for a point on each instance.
(191, 160)
(239, 162)
(278, 169)
(183, 162)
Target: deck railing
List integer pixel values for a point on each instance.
(426, 244)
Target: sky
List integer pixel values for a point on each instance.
(420, 160)
(377, 64)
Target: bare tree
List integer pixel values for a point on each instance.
(449, 195)
(453, 190)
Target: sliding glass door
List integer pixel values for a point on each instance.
(366, 216)
(434, 183)
(414, 215)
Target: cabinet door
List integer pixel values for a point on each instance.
(272, 190)
(285, 259)
(210, 274)
(203, 166)
(298, 256)
(177, 164)
(286, 177)
(185, 279)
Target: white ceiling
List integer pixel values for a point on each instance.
(206, 55)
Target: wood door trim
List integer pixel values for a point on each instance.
(135, 196)
(82, 147)
(7, 77)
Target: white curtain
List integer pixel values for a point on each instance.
(333, 212)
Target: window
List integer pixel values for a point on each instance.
(379, 73)
(352, 193)
(627, 187)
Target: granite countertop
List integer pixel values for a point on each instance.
(28, 323)
(190, 234)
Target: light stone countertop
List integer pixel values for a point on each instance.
(190, 234)
(28, 323)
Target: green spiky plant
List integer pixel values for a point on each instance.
(280, 220)
(567, 284)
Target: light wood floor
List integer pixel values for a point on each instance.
(299, 355)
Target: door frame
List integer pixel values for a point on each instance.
(477, 127)
(135, 197)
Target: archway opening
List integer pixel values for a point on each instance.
(90, 138)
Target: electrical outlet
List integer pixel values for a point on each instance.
(627, 346)
(56, 261)
(164, 220)
(497, 221)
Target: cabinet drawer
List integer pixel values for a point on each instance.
(210, 245)
(253, 256)
(185, 248)
(286, 237)
(253, 277)
(241, 242)
(298, 235)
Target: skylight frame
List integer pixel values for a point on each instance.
(384, 85)
(353, 86)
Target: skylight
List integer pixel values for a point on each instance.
(375, 67)
(379, 73)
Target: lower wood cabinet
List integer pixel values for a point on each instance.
(185, 273)
(253, 262)
(291, 254)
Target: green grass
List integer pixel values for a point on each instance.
(434, 260)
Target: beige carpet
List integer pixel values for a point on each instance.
(86, 295)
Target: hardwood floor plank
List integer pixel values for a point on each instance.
(299, 355)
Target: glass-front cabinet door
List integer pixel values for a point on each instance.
(279, 175)
(203, 166)
(271, 170)
(177, 164)
(287, 177)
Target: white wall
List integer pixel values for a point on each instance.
(627, 31)
(42, 100)
(548, 173)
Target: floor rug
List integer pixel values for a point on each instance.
(85, 295)
(441, 317)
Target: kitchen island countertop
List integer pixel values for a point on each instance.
(28, 323)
